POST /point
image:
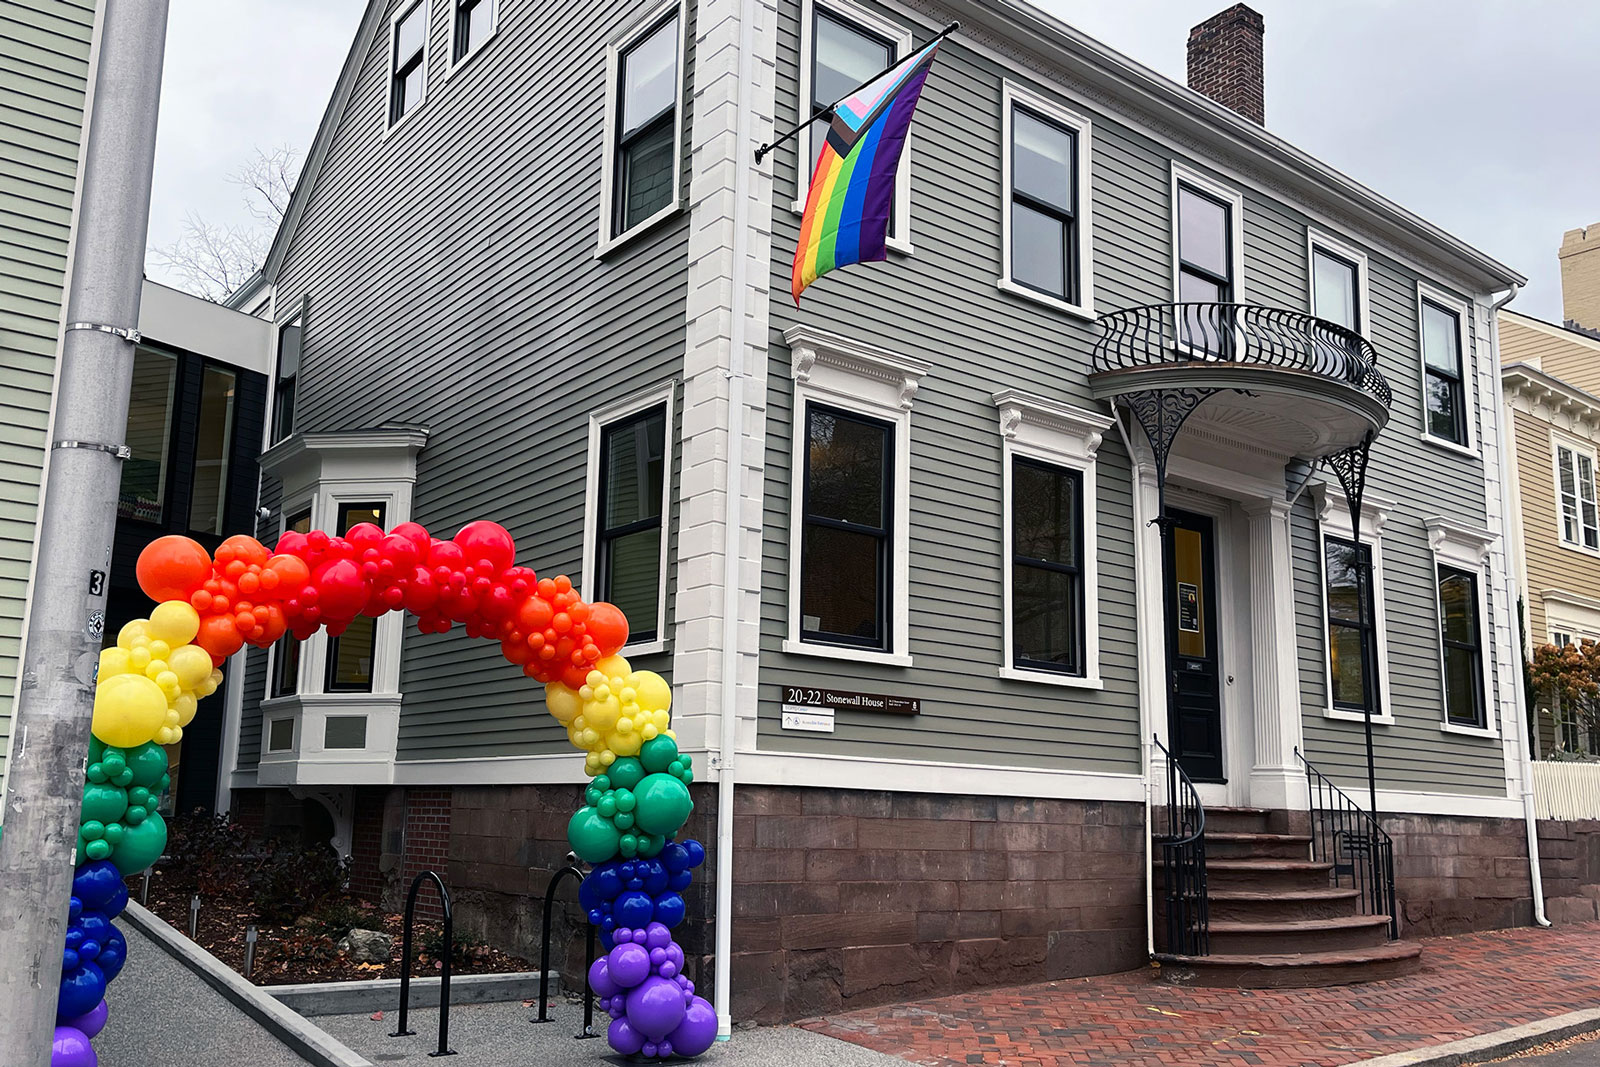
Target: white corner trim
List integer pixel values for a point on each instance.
(1012, 95)
(663, 395)
(388, 64)
(607, 240)
(1333, 520)
(899, 237)
(919, 776)
(1465, 350)
(834, 363)
(1184, 175)
(1316, 239)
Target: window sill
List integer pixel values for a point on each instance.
(1078, 311)
(644, 648)
(855, 655)
(611, 244)
(1468, 731)
(1580, 549)
(1069, 681)
(392, 128)
(1345, 715)
(1449, 446)
(457, 64)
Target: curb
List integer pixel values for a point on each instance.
(383, 994)
(1492, 1045)
(312, 1044)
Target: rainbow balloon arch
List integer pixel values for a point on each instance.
(150, 684)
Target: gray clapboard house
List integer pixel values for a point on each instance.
(533, 273)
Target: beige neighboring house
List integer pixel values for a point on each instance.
(1551, 382)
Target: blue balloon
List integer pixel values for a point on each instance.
(69, 960)
(96, 883)
(670, 909)
(675, 857)
(680, 881)
(95, 926)
(74, 909)
(81, 989)
(697, 852)
(118, 902)
(113, 953)
(607, 882)
(634, 909)
(656, 882)
(588, 898)
(74, 937)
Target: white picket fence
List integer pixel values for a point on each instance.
(1566, 790)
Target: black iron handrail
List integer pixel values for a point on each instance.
(1348, 836)
(1238, 333)
(444, 969)
(544, 956)
(1183, 861)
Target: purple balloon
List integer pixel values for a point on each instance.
(697, 1031)
(675, 954)
(624, 1038)
(655, 1007)
(92, 1021)
(629, 964)
(649, 1050)
(657, 936)
(70, 1048)
(600, 979)
(616, 1006)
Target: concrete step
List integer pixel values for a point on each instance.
(1262, 905)
(1225, 845)
(1299, 970)
(1252, 937)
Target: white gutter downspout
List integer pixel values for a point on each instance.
(733, 539)
(1513, 599)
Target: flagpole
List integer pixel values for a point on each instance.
(825, 112)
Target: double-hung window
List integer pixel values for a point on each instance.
(644, 166)
(1044, 205)
(290, 340)
(474, 24)
(1444, 381)
(847, 547)
(1352, 626)
(350, 654)
(286, 657)
(1206, 265)
(628, 535)
(1047, 594)
(408, 61)
(1461, 637)
(1575, 491)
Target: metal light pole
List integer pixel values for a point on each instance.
(45, 781)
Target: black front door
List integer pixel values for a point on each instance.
(1196, 729)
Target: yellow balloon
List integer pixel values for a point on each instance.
(114, 660)
(186, 705)
(563, 703)
(175, 622)
(654, 692)
(624, 744)
(613, 667)
(192, 665)
(128, 710)
(134, 634)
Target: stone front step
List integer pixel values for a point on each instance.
(1261, 905)
(1230, 845)
(1275, 875)
(1238, 821)
(1254, 937)
(1299, 970)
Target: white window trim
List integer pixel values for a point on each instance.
(1333, 520)
(1465, 548)
(1011, 96)
(598, 421)
(843, 373)
(1316, 239)
(388, 64)
(1577, 448)
(899, 238)
(609, 241)
(1469, 383)
(1184, 175)
(494, 28)
(1061, 435)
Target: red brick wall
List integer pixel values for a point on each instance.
(249, 809)
(426, 844)
(366, 844)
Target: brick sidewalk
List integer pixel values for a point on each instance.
(1471, 984)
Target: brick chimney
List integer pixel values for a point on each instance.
(1225, 61)
(1580, 278)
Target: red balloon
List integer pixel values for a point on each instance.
(488, 542)
(364, 535)
(608, 627)
(341, 592)
(416, 534)
(172, 568)
(574, 677)
(293, 543)
(420, 594)
(401, 551)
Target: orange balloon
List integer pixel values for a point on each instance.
(608, 627)
(243, 547)
(219, 636)
(172, 568)
(293, 574)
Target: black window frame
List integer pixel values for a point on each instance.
(461, 25)
(1354, 266)
(1071, 266)
(892, 47)
(884, 534)
(401, 68)
(285, 386)
(1367, 626)
(623, 140)
(1474, 649)
(288, 642)
(1079, 668)
(330, 666)
(1457, 382)
(604, 536)
(1224, 283)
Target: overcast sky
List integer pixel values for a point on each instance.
(1478, 115)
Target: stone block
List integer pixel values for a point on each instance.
(874, 804)
(768, 865)
(834, 865)
(944, 807)
(766, 800)
(773, 899)
(1031, 866)
(1028, 837)
(1028, 922)
(814, 983)
(804, 832)
(1073, 953)
(961, 866)
(897, 896)
(844, 930)
(981, 962)
(927, 834)
(758, 986)
(876, 974)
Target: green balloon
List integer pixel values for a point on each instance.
(625, 799)
(663, 804)
(657, 753)
(651, 845)
(92, 830)
(97, 748)
(141, 845)
(148, 763)
(629, 846)
(136, 814)
(103, 803)
(607, 807)
(114, 831)
(93, 850)
(625, 773)
(592, 837)
(623, 820)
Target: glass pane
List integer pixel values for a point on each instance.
(1586, 478)
(1189, 572)
(841, 577)
(634, 455)
(1348, 675)
(632, 569)
(1041, 160)
(214, 440)
(280, 735)
(1044, 512)
(1203, 231)
(351, 653)
(647, 175)
(1046, 609)
(1458, 606)
(476, 23)
(1201, 327)
(848, 476)
(1347, 587)
(650, 77)
(144, 474)
(1038, 250)
(408, 35)
(1461, 685)
(289, 340)
(1443, 401)
(1441, 339)
(355, 514)
(843, 57)
(1333, 283)
(410, 90)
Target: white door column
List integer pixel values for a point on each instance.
(1276, 779)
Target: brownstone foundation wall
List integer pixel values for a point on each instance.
(1454, 874)
(1569, 863)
